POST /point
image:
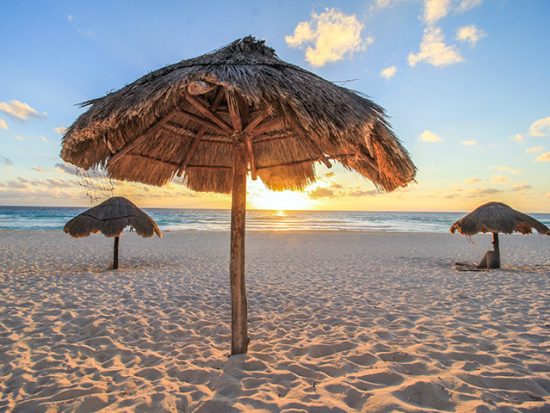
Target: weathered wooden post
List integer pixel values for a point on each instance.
(495, 262)
(239, 318)
(115, 254)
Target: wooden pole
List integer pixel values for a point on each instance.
(496, 249)
(239, 318)
(115, 255)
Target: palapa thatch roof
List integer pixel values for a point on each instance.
(176, 120)
(498, 217)
(110, 218)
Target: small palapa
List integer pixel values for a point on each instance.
(496, 217)
(110, 218)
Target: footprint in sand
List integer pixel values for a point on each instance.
(150, 374)
(323, 350)
(364, 360)
(352, 397)
(426, 395)
(382, 378)
(397, 356)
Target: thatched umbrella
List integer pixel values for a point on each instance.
(238, 109)
(110, 218)
(497, 217)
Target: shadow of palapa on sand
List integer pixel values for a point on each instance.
(505, 269)
(227, 387)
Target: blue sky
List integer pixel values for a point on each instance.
(467, 87)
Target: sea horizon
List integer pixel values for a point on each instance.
(272, 209)
(195, 219)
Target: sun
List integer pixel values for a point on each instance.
(262, 198)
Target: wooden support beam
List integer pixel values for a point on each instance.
(154, 128)
(310, 142)
(200, 133)
(115, 254)
(239, 306)
(371, 162)
(496, 254)
(237, 110)
(205, 110)
(109, 146)
(271, 125)
(256, 121)
(199, 87)
(203, 122)
(234, 111)
(251, 160)
(365, 157)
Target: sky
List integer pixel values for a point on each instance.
(466, 84)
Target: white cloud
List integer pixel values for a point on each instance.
(540, 127)
(21, 138)
(466, 5)
(535, 149)
(19, 110)
(3, 124)
(382, 4)
(471, 181)
(499, 179)
(544, 157)
(320, 193)
(359, 193)
(434, 51)
(469, 142)
(429, 136)
(60, 129)
(378, 5)
(66, 168)
(332, 35)
(388, 72)
(507, 169)
(85, 33)
(518, 137)
(435, 10)
(521, 187)
(482, 192)
(469, 34)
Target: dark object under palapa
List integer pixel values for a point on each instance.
(110, 218)
(214, 118)
(496, 217)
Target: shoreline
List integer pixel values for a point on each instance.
(297, 231)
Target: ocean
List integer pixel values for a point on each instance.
(53, 218)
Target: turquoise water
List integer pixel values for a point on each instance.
(47, 218)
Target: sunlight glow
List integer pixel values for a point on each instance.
(280, 201)
(259, 197)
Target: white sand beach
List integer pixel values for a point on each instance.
(339, 322)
